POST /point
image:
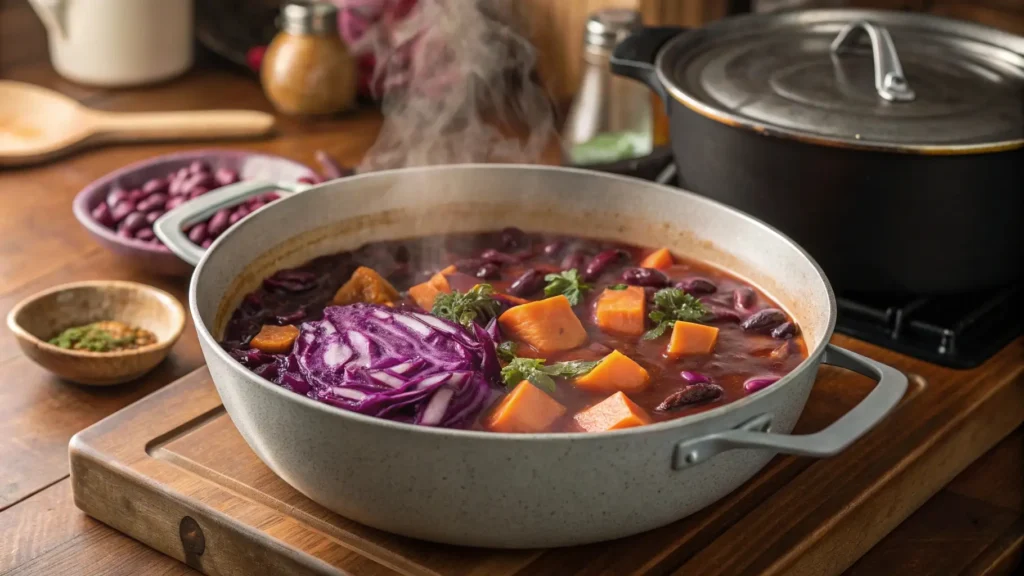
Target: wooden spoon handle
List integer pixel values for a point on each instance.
(182, 125)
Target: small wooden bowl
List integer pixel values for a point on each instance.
(44, 315)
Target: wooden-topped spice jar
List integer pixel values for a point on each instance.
(307, 69)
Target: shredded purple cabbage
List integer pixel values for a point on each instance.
(395, 364)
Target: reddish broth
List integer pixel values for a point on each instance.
(738, 355)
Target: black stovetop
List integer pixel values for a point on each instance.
(956, 330)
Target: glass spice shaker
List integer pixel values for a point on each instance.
(611, 116)
(307, 69)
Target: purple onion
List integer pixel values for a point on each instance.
(759, 383)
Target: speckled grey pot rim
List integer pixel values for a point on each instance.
(812, 360)
(80, 208)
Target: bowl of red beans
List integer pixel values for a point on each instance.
(120, 208)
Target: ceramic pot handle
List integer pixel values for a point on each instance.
(168, 228)
(755, 433)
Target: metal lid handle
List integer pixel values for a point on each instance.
(890, 82)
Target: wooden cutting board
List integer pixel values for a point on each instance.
(173, 472)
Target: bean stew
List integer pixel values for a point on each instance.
(510, 331)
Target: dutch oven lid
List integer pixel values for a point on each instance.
(861, 78)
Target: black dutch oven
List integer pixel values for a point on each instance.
(889, 144)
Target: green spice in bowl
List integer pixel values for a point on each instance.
(98, 333)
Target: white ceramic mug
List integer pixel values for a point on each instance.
(118, 42)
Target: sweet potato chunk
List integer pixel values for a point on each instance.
(365, 285)
(548, 325)
(275, 339)
(616, 373)
(613, 413)
(526, 409)
(659, 259)
(690, 338)
(621, 311)
(424, 294)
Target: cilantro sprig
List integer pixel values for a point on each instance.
(476, 305)
(672, 305)
(566, 282)
(543, 375)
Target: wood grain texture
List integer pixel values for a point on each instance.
(176, 455)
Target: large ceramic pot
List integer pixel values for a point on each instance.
(514, 490)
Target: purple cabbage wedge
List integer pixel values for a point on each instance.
(394, 364)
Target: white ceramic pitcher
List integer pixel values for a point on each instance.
(115, 43)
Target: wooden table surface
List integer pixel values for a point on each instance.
(961, 530)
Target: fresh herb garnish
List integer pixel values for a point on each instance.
(619, 287)
(102, 337)
(507, 351)
(477, 305)
(672, 305)
(540, 375)
(567, 283)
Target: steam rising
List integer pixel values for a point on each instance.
(455, 82)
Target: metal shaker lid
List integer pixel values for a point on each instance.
(319, 18)
(606, 28)
(859, 78)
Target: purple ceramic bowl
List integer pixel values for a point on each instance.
(155, 257)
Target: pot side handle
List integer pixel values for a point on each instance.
(892, 384)
(635, 57)
(168, 228)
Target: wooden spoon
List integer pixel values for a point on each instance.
(37, 124)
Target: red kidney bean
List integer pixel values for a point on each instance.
(101, 214)
(153, 216)
(759, 383)
(743, 298)
(527, 284)
(692, 394)
(197, 192)
(573, 260)
(133, 222)
(125, 233)
(154, 185)
(136, 194)
(291, 318)
(402, 255)
(203, 179)
(645, 277)
(694, 377)
(488, 271)
(254, 206)
(552, 249)
(219, 223)
(697, 286)
(784, 331)
(238, 214)
(174, 202)
(198, 233)
(271, 196)
(152, 202)
(598, 264)
(115, 196)
(198, 166)
(122, 209)
(224, 176)
(496, 257)
(207, 243)
(145, 234)
(513, 238)
(763, 320)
